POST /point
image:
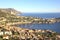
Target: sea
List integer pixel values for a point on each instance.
(54, 27)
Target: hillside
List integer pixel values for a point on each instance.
(8, 15)
(9, 10)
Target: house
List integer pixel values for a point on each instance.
(6, 32)
(1, 33)
(5, 37)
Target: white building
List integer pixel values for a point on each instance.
(6, 32)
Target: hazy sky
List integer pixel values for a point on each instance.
(32, 5)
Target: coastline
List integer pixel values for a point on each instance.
(46, 21)
(18, 23)
(9, 19)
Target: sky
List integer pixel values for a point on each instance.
(32, 5)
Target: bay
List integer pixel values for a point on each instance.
(54, 27)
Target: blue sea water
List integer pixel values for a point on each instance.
(42, 15)
(54, 27)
